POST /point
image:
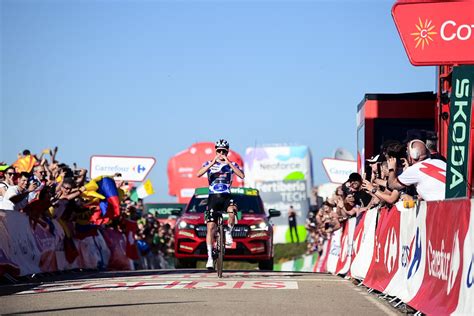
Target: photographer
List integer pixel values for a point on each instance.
(427, 174)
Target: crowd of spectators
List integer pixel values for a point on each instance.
(403, 171)
(44, 188)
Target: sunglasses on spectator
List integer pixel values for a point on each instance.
(10, 173)
(221, 151)
(67, 188)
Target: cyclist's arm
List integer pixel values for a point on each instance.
(205, 167)
(237, 171)
(203, 170)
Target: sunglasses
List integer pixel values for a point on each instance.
(221, 151)
(10, 173)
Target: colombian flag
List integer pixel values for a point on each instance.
(110, 207)
(103, 190)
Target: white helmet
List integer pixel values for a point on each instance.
(222, 143)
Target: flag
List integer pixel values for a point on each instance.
(142, 191)
(110, 207)
(25, 163)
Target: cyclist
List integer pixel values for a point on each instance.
(219, 172)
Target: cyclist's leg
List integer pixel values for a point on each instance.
(213, 206)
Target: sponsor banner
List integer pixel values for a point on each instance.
(384, 263)
(338, 170)
(131, 168)
(436, 33)
(411, 266)
(466, 292)
(93, 252)
(459, 130)
(446, 228)
(280, 195)
(321, 263)
(18, 242)
(334, 251)
(117, 244)
(182, 169)
(344, 260)
(363, 244)
(283, 175)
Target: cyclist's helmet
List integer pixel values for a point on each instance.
(222, 143)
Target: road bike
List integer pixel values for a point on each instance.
(219, 247)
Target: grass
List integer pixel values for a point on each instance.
(283, 252)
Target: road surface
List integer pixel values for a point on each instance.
(190, 292)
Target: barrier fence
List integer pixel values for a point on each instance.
(28, 248)
(423, 255)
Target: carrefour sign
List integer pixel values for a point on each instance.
(131, 168)
(436, 33)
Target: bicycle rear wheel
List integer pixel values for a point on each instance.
(221, 249)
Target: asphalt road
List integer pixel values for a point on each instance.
(190, 292)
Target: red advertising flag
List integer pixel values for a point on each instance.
(446, 227)
(384, 263)
(436, 32)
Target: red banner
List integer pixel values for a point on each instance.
(385, 260)
(436, 33)
(446, 227)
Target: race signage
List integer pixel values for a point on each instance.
(459, 131)
(436, 33)
(131, 168)
(338, 170)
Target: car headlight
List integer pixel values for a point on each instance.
(184, 225)
(259, 227)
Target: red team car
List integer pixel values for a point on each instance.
(252, 235)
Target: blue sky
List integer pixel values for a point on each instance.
(149, 78)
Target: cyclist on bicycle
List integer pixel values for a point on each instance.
(219, 172)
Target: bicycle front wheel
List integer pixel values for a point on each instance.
(221, 247)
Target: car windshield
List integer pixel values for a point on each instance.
(245, 203)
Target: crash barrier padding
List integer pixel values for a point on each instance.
(422, 255)
(28, 247)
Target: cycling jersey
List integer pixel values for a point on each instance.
(220, 177)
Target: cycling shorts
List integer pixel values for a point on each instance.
(217, 204)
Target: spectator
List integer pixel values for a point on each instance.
(427, 174)
(432, 145)
(9, 175)
(361, 197)
(292, 224)
(16, 196)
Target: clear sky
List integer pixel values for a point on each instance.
(149, 78)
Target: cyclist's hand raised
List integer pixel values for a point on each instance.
(226, 159)
(213, 161)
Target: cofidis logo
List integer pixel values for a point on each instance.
(436, 33)
(425, 33)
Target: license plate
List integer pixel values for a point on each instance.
(233, 246)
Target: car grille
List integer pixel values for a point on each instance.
(239, 231)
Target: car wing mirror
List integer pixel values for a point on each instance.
(273, 213)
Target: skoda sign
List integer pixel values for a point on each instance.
(458, 132)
